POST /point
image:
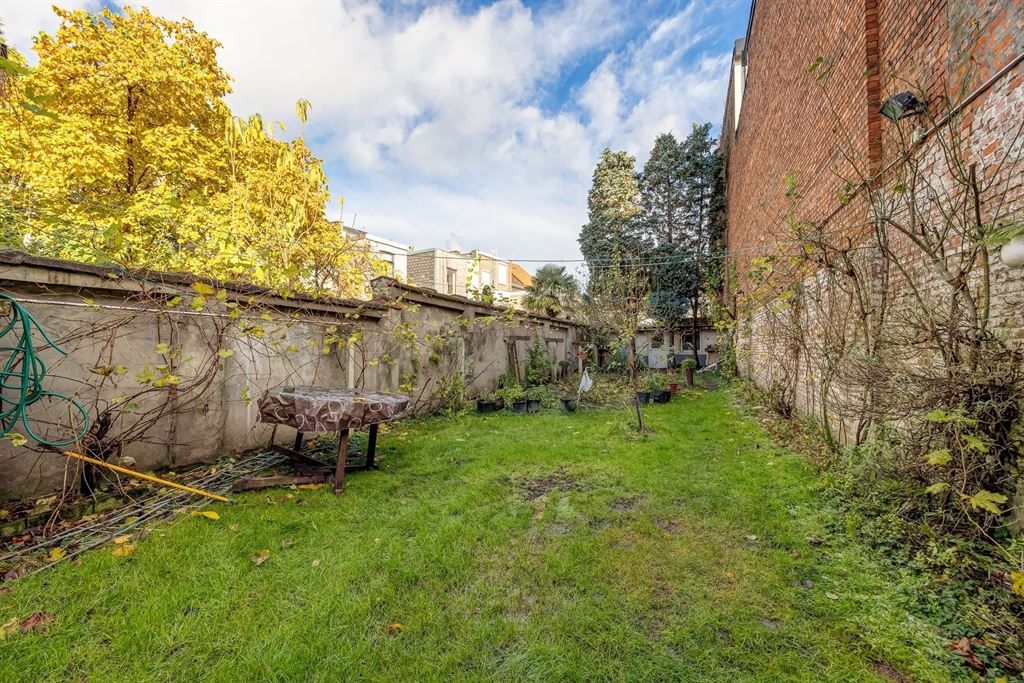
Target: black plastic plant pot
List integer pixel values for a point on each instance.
(661, 396)
(569, 404)
(519, 406)
(494, 406)
(533, 405)
(643, 397)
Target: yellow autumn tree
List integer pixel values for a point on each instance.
(119, 147)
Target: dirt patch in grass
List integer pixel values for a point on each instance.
(670, 525)
(890, 673)
(534, 487)
(626, 503)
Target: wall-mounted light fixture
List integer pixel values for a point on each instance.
(901, 106)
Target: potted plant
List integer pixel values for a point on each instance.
(514, 397)
(489, 403)
(535, 397)
(658, 385)
(689, 365)
(643, 393)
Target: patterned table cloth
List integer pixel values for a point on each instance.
(318, 409)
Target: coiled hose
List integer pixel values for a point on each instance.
(22, 375)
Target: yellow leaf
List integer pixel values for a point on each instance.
(1018, 583)
(17, 439)
(395, 628)
(225, 353)
(986, 500)
(162, 348)
(209, 514)
(203, 289)
(939, 457)
(9, 628)
(123, 550)
(222, 295)
(310, 487)
(261, 557)
(56, 554)
(120, 540)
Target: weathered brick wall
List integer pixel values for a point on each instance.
(826, 131)
(422, 270)
(792, 123)
(106, 319)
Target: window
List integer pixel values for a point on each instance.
(389, 260)
(487, 278)
(450, 277)
(502, 274)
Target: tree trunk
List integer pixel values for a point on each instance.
(631, 360)
(694, 333)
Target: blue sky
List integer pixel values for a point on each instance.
(465, 123)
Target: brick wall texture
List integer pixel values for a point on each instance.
(809, 129)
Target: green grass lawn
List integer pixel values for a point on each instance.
(544, 547)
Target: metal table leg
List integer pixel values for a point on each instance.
(371, 448)
(339, 472)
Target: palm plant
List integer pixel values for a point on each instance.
(552, 291)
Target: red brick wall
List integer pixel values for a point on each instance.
(826, 131)
(792, 123)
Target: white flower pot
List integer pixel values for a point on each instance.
(1012, 252)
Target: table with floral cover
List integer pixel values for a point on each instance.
(323, 409)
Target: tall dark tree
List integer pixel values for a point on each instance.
(702, 208)
(612, 234)
(663, 221)
(681, 200)
(663, 192)
(616, 250)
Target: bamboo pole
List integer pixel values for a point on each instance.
(140, 475)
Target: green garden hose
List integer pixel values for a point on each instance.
(22, 375)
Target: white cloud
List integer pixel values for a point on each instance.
(437, 122)
(24, 19)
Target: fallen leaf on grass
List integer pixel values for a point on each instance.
(17, 572)
(730, 576)
(118, 540)
(261, 557)
(395, 628)
(311, 487)
(123, 550)
(56, 554)
(9, 628)
(209, 514)
(233, 527)
(962, 647)
(287, 543)
(37, 621)
(831, 596)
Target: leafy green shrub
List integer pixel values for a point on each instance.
(655, 381)
(688, 364)
(537, 366)
(540, 393)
